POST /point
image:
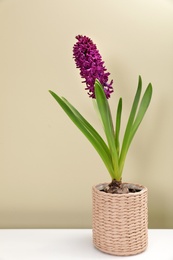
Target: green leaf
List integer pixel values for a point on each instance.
(88, 126)
(135, 120)
(87, 130)
(106, 117)
(118, 124)
(141, 112)
(129, 125)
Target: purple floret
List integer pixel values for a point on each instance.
(89, 61)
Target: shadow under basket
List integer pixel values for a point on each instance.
(120, 221)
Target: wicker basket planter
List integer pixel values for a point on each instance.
(120, 221)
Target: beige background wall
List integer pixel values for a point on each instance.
(47, 167)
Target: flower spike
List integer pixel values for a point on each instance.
(89, 61)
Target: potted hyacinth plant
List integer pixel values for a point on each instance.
(120, 215)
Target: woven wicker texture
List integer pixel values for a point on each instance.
(120, 221)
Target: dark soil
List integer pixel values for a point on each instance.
(119, 188)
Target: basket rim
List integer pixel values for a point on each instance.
(98, 187)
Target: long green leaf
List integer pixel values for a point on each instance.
(106, 117)
(94, 139)
(129, 125)
(88, 126)
(118, 124)
(141, 112)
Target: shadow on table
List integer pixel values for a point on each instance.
(79, 247)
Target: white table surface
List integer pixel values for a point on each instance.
(60, 244)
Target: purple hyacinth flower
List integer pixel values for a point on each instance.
(89, 61)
